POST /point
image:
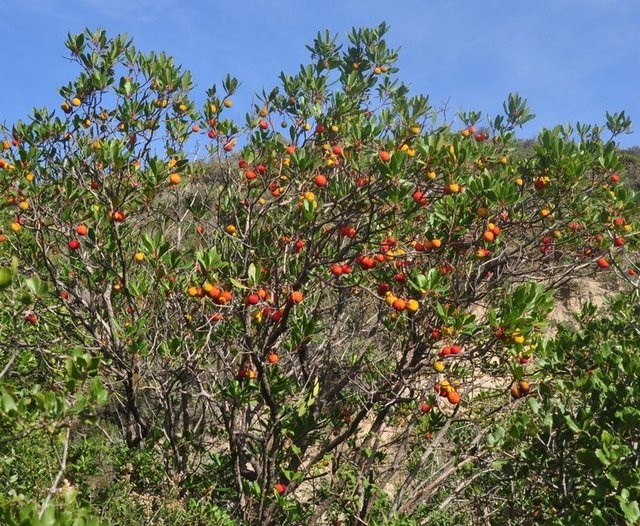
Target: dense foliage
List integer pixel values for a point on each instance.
(325, 318)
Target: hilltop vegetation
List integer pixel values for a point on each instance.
(340, 316)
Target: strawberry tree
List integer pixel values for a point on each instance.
(334, 282)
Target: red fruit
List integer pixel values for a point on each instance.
(64, 295)
(95, 185)
(420, 198)
(368, 263)
(250, 175)
(31, 318)
(383, 288)
(261, 169)
(337, 150)
(480, 137)
(299, 246)
(74, 244)
(456, 349)
(400, 277)
(435, 334)
(614, 178)
(264, 125)
(242, 164)
(276, 316)
(347, 231)
(385, 156)
(602, 262)
(253, 299)
(82, 230)
(336, 269)
(618, 221)
(320, 128)
(539, 184)
(320, 180)
(212, 134)
(445, 351)
(618, 241)
(425, 408)
(273, 358)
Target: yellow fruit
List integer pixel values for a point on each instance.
(171, 163)
(436, 243)
(448, 331)
(227, 103)
(23, 205)
(335, 128)
(545, 212)
(29, 177)
(76, 101)
(431, 175)
(412, 305)
(192, 291)
(519, 181)
(15, 227)
(139, 257)
(627, 228)
(183, 107)
(438, 367)
(213, 108)
(415, 129)
(231, 229)
(518, 338)
(504, 159)
(306, 126)
(175, 178)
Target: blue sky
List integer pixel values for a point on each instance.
(572, 59)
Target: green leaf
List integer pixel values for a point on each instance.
(631, 511)
(6, 277)
(237, 284)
